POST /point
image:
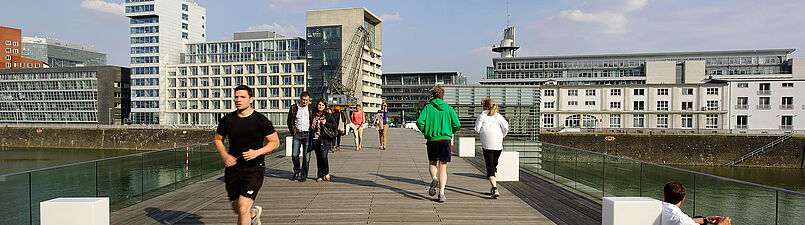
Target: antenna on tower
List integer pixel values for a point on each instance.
(507, 13)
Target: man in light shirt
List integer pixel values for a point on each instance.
(299, 117)
(673, 196)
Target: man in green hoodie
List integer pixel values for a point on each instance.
(438, 121)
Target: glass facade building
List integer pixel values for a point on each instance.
(632, 68)
(65, 95)
(201, 90)
(324, 56)
(61, 54)
(404, 93)
(518, 104)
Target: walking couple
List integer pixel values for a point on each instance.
(313, 129)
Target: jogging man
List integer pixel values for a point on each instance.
(245, 166)
(299, 119)
(438, 121)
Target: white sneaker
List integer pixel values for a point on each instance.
(434, 185)
(257, 211)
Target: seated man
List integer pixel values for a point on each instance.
(674, 195)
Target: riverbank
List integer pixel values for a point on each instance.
(101, 138)
(689, 150)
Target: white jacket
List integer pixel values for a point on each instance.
(492, 129)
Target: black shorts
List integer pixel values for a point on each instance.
(243, 181)
(439, 150)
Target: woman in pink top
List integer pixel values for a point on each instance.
(357, 122)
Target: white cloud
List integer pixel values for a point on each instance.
(632, 5)
(102, 6)
(289, 30)
(614, 22)
(391, 17)
(300, 5)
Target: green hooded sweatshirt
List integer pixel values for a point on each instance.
(438, 121)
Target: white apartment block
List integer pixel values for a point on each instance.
(645, 106)
(159, 30)
(767, 106)
(200, 90)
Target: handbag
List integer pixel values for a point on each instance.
(341, 127)
(327, 132)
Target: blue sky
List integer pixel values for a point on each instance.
(457, 35)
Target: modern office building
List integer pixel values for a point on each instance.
(61, 54)
(159, 30)
(518, 104)
(200, 90)
(404, 93)
(767, 106)
(95, 94)
(641, 68)
(11, 54)
(700, 107)
(329, 34)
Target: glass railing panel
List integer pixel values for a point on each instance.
(565, 167)
(185, 166)
(211, 160)
(790, 208)
(749, 204)
(548, 161)
(159, 173)
(15, 194)
(655, 177)
(622, 177)
(121, 180)
(590, 173)
(62, 182)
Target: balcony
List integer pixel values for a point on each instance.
(786, 127)
(763, 107)
(741, 126)
(741, 107)
(764, 92)
(787, 107)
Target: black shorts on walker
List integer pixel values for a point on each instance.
(243, 181)
(439, 150)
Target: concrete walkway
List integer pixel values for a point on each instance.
(368, 186)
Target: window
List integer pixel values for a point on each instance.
(764, 103)
(640, 91)
(712, 91)
(184, 26)
(662, 121)
(8, 42)
(16, 43)
(742, 122)
(615, 92)
(787, 122)
(549, 92)
(299, 67)
(184, 7)
(712, 105)
(590, 92)
(547, 120)
(743, 85)
(8, 65)
(299, 79)
(742, 103)
(687, 91)
(275, 80)
(548, 105)
(573, 103)
(615, 105)
(663, 91)
(787, 103)
(639, 120)
(16, 51)
(185, 35)
(639, 105)
(788, 85)
(662, 105)
(687, 105)
(572, 92)
(8, 58)
(275, 92)
(184, 16)
(711, 122)
(687, 121)
(8, 50)
(589, 103)
(614, 120)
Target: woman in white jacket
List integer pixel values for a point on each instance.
(491, 127)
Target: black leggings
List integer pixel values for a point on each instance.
(491, 157)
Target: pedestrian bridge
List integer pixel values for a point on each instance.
(368, 186)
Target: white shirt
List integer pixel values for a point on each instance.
(672, 215)
(303, 118)
(491, 130)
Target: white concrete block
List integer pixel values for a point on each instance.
(466, 147)
(289, 147)
(631, 210)
(78, 211)
(508, 166)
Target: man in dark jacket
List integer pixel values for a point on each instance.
(299, 118)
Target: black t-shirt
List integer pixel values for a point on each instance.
(244, 134)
